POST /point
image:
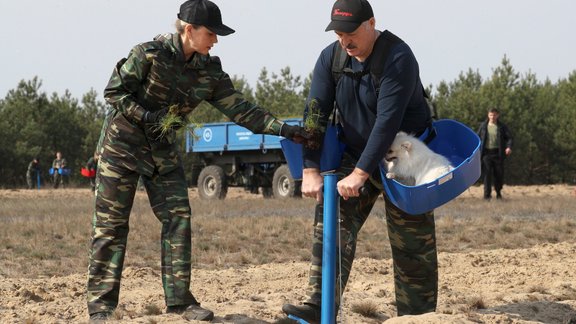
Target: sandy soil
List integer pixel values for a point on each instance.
(536, 285)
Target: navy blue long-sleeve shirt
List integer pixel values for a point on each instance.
(369, 124)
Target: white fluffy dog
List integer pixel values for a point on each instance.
(410, 158)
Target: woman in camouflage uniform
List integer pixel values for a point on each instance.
(172, 70)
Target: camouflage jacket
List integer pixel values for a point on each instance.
(155, 75)
(59, 163)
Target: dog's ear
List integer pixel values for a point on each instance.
(406, 145)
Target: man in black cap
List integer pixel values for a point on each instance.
(371, 111)
(171, 74)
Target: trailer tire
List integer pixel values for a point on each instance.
(283, 184)
(212, 183)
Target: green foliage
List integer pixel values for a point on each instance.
(282, 94)
(172, 120)
(564, 118)
(92, 112)
(541, 116)
(312, 120)
(33, 125)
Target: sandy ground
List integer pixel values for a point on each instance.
(536, 285)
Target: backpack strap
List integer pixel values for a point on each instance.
(381, 49)
(339, 61)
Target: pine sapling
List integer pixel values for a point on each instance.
(175, 120)
(312, 125)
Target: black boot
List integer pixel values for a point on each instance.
(308, 312)
(192, 312)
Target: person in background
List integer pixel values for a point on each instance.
(496, 146)
(32, 173)
(171, 74)
(371, 113)
(58, 164)
(91, 166)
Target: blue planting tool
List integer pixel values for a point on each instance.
(328, 314)
(297, 319)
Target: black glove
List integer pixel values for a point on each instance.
(154, 117)
(294, 133)
(151, 123)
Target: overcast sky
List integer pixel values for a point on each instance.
(74, 44)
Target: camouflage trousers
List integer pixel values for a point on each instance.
(168, 196)
(58, 180)
(413, 243)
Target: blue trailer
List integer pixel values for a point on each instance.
(227, 155)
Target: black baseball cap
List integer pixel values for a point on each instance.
(204, 13)
(348, 15)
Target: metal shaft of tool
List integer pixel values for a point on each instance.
(328, 314)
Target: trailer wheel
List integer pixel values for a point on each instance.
(282, 183)
(212, 183)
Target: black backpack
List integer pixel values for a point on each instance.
(382, 47)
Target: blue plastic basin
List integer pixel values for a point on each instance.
(60, 171)
(454, 140)
(461, 146)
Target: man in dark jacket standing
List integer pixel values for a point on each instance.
(369, 120)
(496, 146)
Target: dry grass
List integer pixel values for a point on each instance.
(48, 235)
(476, 302)
(366, 308)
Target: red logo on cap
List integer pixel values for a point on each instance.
(337, 12)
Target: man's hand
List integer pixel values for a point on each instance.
(312, 184)
(294, 133)
(154, 117)
(351, 185)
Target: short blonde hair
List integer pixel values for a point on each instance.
(181, 26)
